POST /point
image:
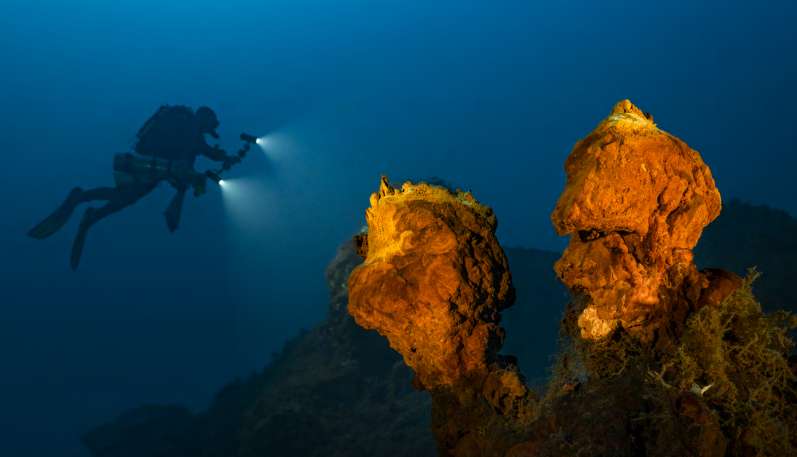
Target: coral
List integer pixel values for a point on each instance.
(736, 358)
(433, 282)
(710, 371)
(657, 359)
(635, 203)
(726, 388)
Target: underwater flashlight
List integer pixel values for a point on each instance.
(214, 176)
(251, 139)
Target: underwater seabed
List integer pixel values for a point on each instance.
(654, 356)
(659, 358)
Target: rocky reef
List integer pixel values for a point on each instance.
(760, 237)
(647, 334)
(333, 390)
(720, 386)
(337, 390)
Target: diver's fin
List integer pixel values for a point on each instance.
(80, 238)
(58, 218)
(174, 210)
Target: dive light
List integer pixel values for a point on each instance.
(251, 139)
(248, 141)
(214, 176)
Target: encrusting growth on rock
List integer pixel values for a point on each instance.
(635, 204)
(433, 282)
(658, 358)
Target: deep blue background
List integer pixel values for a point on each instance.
(488, 95)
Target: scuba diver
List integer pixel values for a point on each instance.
(166, 148)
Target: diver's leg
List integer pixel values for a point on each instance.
(122, 198)
(175, 208)
(61, 215)
(99, 193)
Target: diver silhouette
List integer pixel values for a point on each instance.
(166, 148)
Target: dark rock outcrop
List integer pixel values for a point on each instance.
(335, 390)
(747, 235)
(142, 430)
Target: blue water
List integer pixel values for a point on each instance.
(487, 95)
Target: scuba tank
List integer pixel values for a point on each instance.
(166, 132)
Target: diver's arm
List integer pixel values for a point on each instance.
(214, 153)
(219, 155)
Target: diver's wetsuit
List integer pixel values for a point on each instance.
(176, 141)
